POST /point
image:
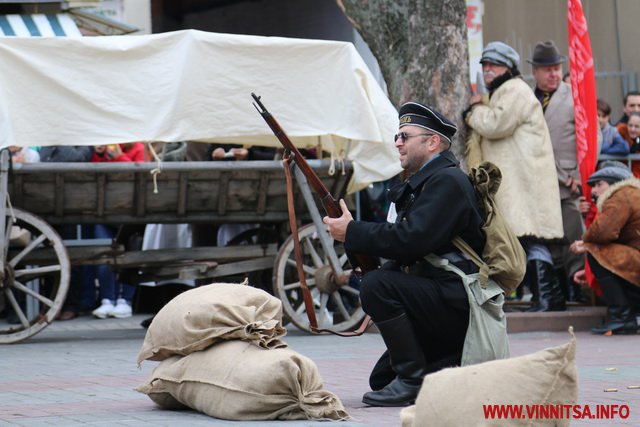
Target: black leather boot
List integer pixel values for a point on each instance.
(407, 361)
(575, 293)
(383, 373)
(528, 281)
(622, 318)
(549, 293)
(622, 321)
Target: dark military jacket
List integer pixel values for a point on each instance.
(434, 205)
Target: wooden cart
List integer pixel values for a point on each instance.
(36, 262)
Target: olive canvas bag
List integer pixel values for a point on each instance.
(503, 259)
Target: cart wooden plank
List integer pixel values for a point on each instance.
(117, 257)
(188, 192)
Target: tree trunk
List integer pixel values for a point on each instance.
(421, 47)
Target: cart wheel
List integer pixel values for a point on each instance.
(337, 306)
(31, 292)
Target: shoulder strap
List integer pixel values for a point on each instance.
(306, 293)
(463, 246)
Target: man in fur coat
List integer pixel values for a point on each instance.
(510, 131)
(612, 244)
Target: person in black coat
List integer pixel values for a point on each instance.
(422, 312)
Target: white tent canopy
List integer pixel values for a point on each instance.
(193, 85)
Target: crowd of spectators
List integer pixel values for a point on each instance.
(522, 129)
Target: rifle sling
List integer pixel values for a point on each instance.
(306, 294)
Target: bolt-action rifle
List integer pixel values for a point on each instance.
(329, 203)
(331, 206)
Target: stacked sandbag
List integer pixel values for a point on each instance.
(456, 396)
(236, 380)
(203, 316)
(221, 353)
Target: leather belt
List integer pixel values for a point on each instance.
(459, 259)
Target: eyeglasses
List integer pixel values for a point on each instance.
(404, 137)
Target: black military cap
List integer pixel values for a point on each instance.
(416, 114)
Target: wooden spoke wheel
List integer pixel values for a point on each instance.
(31, 292)
(336, 299)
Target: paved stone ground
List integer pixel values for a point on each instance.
(83, 372)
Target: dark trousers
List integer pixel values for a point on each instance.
(564, 260)
(607, 278)
(75, 294)
(437, 307)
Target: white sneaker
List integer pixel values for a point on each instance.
(121, 310)
(104, 310)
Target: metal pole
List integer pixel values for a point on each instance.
(4, 190)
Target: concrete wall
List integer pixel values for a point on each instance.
(613, 27)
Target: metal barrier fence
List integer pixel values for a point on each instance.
(628, 158)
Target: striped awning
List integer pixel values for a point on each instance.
(39, 25)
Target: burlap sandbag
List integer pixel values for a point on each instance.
(455, 397)
(202, 316)
(236, 380)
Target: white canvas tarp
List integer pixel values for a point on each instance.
(193, 85)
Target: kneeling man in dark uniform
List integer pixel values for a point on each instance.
(421, 311)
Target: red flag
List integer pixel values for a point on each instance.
(583, 87)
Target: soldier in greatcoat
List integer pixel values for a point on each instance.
(421, 311)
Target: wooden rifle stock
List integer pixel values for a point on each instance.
(329, 203)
